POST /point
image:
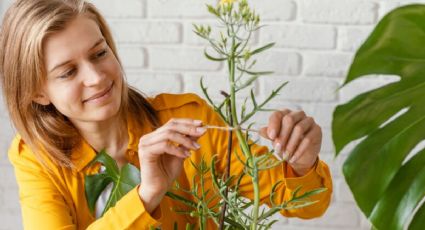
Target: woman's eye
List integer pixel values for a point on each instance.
(68, 74)
(101, 54)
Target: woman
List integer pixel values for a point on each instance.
(68, 99)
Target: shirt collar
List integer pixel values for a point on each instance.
(84, 154)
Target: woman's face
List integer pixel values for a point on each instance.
(84, 78)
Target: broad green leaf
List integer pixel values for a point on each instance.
(391, 120)
(398, 203)
(123, 181)
(94, 185)
(418, 220)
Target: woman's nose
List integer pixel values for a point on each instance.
(92, 75)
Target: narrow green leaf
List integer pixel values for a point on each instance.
(261, 49)
(254, 102)
(213, 58)
(181, 199)
(255, 73)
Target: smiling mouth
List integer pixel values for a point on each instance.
(99, 95)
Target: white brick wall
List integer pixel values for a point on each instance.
(316, 40)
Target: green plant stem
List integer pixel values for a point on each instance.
(228, 162)
(203, 225)
(245, 148)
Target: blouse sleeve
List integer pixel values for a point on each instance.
(318, 177)
(44, 207)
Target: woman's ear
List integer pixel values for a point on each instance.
(41, 99)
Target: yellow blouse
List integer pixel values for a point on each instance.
(55, 199)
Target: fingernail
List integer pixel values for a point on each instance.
(277, 156)
(187, 153)
(197, 146)
(197, 122)
(293, 159)
(284, 156)
(272, 133)
(277, 148)
(201, 130)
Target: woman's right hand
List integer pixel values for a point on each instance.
(161, 155)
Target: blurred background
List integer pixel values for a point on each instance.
(316, 40)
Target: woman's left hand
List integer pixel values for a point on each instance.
(296, 137)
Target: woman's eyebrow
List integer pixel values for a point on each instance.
(100, 41)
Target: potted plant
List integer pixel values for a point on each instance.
(238, 22)
(386, 178)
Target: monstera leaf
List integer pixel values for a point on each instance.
(123, 181)
(387, 182)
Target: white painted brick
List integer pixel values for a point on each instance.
(280, 62)
(343, 192)
(337, 215)
(132, 56)
(339, 11)
(337, 165)
(300, 36)
(4, 161)
(327, 64)
(156, 42)
(301, 89)
(322, 113)
(363, 85)
(327, 142)
(178, 8)
(275, 10)
(155, 83)
(268, 9)
(4, 5)
(10, 220)
(180, 59)
(6, 137)
(116, 8)
(152, 32)
(364, 223)
(351, 38)
(8, 178)
(387, 6)
(9, 199)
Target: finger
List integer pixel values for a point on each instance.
(185, 128)
(164, 147)
(313, 137)
(300, 129)
(184, 121)
(274, 124)
(263, 133)
(288, 123)
(173, 136)
(180, 121)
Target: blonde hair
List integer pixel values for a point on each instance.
(44, 129)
